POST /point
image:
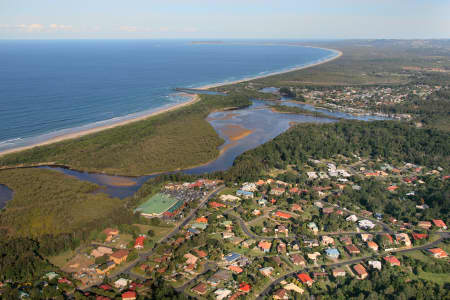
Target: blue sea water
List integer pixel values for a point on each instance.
(49, 88)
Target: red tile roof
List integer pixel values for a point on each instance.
(129, 295)
(419, 236)
(439, 251)
(304, 277)
(360, 270)
(245, 287)
(235, 269)
(215, 204)
(283, 215)
(392, 260)
(265, 245)
(139, 242)
(202, 220)
(439, 223)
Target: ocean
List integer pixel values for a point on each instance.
(50, 88)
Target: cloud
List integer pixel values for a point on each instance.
(190, 29)
(128, 28)
(36, 27)
(61, 27)
(161, 29)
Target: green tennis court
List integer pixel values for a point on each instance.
(157, 204)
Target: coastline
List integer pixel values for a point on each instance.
(314, 64)
(74, 135)
(194, 98)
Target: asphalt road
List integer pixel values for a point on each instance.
(208, 267)
(143, 256)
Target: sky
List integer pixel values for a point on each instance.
(224, 19)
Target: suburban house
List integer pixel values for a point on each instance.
(105, 268)
(313, 256)
(352, 218)
(282, 229)
(281, 248)
(372, 245)
(280, 294)
(352, 249)
(283, 215)
(327, 210)
(305, 279)
(244, 194)
(440, 224)
(366, 237)
(332, 253)
(265, 246)
(326, 240)
(346, 240)
(419, 236)
(403, 238)
(438, 253)
(298, 260)
(190, 259)
(219, 276)
(267, 271)
(121, 283)
(313, 227)
(235, 269)
(392, 260)
(311, 175)
(129, 295)
(216, 205)
(296, 207)
(200, 288)
(139, 242)
(338, 272)
(110, 233)
(232, 257)
(311, 243)
(119, 256)
(375, 264)
(222, 293)
(245, 287)
(277, 191)
(424, 224)
(229, 198)
(361, 272)
(366, 224)
(249, 187)
(292, 287)
(100, 251)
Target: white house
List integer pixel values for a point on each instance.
(366, 224)
(352, 218)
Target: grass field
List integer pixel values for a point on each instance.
(157, 204)
(160, 231)
(61, 259)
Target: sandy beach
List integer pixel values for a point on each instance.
(194, 99)
(338, 54)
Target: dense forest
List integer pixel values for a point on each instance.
(50, 213)
(389, 140)
(173, 140)
(434, 111)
